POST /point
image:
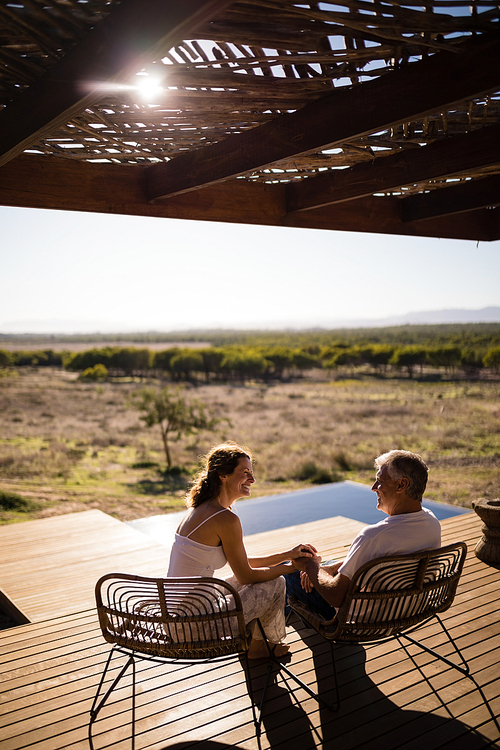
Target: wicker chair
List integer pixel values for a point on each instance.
(389, 597)
(170, 620)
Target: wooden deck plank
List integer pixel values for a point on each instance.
(49, 671)
(49, 567)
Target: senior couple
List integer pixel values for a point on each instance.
(210, 535)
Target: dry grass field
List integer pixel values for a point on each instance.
(69, 446)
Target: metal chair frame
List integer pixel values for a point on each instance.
(171, 621)
(390, 597)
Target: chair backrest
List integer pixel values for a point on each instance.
(393, 594)
(191, 618)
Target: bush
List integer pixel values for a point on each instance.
(492, 358)
(5, 358)
(342, 461)
(95, 373)
(309, 471)
(89, 358)
(15, 502)
(29, 359)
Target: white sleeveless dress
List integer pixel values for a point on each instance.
(264, 600)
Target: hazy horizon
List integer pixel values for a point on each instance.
(66, 272)
(422, 317)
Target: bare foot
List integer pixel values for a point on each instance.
(280, 649)
(258, 649)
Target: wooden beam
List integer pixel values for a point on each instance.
(64, 184)
(435, 161)
(466, 196)
(113, 51)
(55, 183)
(415, 91)
(382, 215)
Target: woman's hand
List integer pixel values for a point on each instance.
(303, 550)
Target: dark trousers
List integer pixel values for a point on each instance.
(313, 600)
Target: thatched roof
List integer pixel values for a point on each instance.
(368, 115)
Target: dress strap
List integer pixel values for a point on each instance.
(206, 519)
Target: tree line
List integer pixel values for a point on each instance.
(264, 362)
(479, 335)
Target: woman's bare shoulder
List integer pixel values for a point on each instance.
(228, 520)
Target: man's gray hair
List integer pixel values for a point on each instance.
(406, 464)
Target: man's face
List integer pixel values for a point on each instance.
(386, 489)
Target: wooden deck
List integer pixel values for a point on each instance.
(50, 567)
(50, 668)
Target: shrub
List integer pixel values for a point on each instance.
(89, 358)
(342, 461)
(162, 360)
(5, 358)
(97, 372)
(310, 471)
(409, 357)
(492, 358)
(186, 362)
(15, 502)
(29, 359)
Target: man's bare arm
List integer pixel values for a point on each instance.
(306, 582)
(331, 585)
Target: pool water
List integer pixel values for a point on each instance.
(348, 499)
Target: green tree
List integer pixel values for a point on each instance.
(185, 363)
(378, 355)
(212, 360)
(281, 358)
(5, 358)
(304, 360)
(245, 364)
(162, 360)
(471, 362)
(169, 409)
(97, 372)
(409, 357)
(91, 357)
(131, 361)
(444, 356)
(492, 358)
(29, 359)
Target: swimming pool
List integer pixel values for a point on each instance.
(348, 499)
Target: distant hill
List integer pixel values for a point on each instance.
(37, 332)
(426, 317)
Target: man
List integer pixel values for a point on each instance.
(400, 484)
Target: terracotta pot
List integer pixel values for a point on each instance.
(488, 547)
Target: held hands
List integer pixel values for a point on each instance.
(302, 550)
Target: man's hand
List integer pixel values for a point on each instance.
(306, 582)
(305, 563)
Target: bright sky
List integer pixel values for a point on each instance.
(80, 272)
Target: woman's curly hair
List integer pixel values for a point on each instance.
(219, 461)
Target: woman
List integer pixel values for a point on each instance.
(210, 535)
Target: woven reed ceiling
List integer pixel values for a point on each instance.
(364, 114)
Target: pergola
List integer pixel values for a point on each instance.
(367, 115)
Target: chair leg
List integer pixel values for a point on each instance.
(463, 669)
(97, 705)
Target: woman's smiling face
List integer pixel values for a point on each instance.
(238, 483)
